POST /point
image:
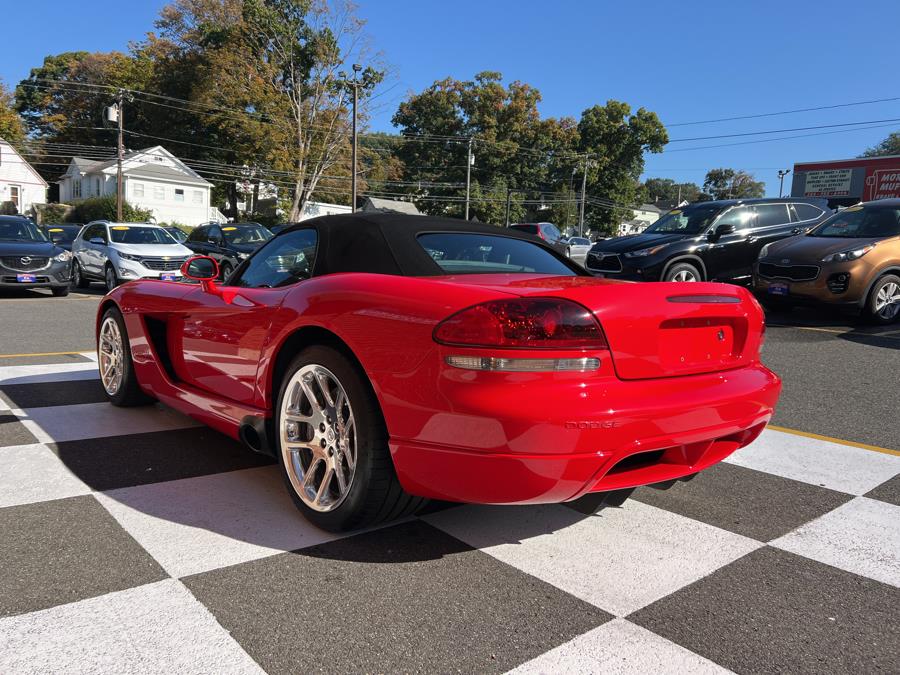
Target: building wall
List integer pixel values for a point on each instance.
(849, 180)
(161, 197)
(16, 172)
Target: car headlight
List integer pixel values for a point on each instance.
(242, 256)
(129, 256)
(764, 251)
(844, 256)
(63, 257)
(644, 252)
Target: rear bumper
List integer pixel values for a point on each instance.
(555, 450)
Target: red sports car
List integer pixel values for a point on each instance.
(386, 359)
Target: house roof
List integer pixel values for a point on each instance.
(649, 207)
(164, 172)
(24, 162)
(391, 205)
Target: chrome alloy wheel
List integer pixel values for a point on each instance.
(318, 437)
(111, 355)
(684, 275)
(887, 302)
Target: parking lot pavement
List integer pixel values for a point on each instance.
(34, 322)
(135, 540)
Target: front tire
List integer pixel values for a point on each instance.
(883, 304)
(59, 291)
(111, 279)
(683, 272)
(78, 278)
(332, 445)
(114, 360)
(225, 272)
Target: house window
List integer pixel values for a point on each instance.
(159, 192)
(15, 197)
(179, 195)
(198, 196)
(138, 190)
(76, 188)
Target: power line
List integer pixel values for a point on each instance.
(779, 131)
(785, 112)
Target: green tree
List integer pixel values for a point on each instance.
(889, 146)
(616, 139)
(11, 128)
(667, 189)
(724, 183)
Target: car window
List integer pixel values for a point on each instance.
(807, 211)
(470, 253)
(131, 234)
(214, 233)
(550, 232)
(580, 241)
(740, 216)
(246, 234)
(62, 235)
(96, 230)
(282, 261)
(199, 233)
(771, 214)
(529, 229)
(861, 222)
(689, 220)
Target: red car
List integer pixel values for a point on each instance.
(384, 359)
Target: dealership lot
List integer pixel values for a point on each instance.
(135, 540)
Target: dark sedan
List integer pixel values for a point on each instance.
(28, 259)
(63, 235)
(229, 244)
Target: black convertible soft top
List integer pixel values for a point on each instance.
(385, 243)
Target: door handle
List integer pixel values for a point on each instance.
(796, 230)
(750, 240)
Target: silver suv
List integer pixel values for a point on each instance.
(117, 252)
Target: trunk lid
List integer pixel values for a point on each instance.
(654, 329)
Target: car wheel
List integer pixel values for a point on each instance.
(683, 272)
(114, 360)
(60, 291)
(111, 279)
(78, 277)
(225, 271)
(332, 445)
(884, 299)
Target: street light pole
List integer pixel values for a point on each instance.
(470, 159)
(781, 174)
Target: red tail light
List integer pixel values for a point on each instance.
(530, 323)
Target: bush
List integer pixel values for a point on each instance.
(52, 213)
(187, 229)
(104, 208)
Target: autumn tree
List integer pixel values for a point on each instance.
(889, 146)
(724, 183)
(669, 190)
(11, 128)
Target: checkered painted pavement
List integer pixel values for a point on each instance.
(134, 540)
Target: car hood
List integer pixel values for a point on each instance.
(812, 249)
(154, 250)
(246, 248)
(634, 242)
(43, 249)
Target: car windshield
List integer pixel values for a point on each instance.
(21, 230)
(246, 234)
(858, 221)
(177, 234)
(689, 220)
(139, 234)
(470, 253)
(62, 235)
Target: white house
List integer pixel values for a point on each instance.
(19, 182)
(316, 209)
(643, 215)
(153, 179)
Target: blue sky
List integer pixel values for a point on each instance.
(686, 61)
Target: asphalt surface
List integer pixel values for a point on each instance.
(841, 375)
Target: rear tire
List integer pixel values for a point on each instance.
(117, 374)
(312, 439)
(683, 272)
(883, 304)
(225, 272)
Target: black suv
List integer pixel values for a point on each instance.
(705, 241)
(229, 244)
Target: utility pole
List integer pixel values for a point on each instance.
(781, 174)
(470, 160)
(508, 195)
(583, 197)
(120, 109)
(354, 84)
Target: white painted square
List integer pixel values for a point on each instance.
(56, 372)
(862, 536)
(198, 524)
(32, 473)
(619, 647)
(620, 560)
(55, 424)
(157, 628)
(810, 460)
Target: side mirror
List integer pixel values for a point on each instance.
(200, 268)
(725, 228)
(100, 241)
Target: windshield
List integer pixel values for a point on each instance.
(177, 234)
(689, 220)
(246, 234)
(62, 235)
(21, 230)
(131, 234)
(465, 253)
(858, 221)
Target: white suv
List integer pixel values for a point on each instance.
(117, 252)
